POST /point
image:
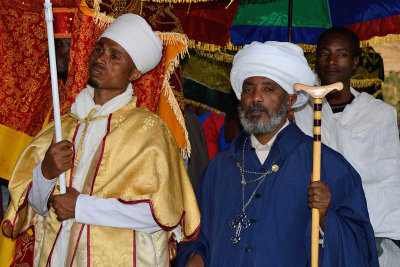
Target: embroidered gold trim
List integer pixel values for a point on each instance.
(360, 83)
(219, 53)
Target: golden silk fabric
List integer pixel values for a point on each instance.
(140, 162)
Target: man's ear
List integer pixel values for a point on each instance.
(135, 75)
(291, 99)
(355, 63)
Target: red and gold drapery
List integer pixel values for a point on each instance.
(26, 99)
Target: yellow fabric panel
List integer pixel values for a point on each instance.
(12, 143)
(7, 249)
(207, 72)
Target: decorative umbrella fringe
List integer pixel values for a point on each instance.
(101, 18)
(212, 47)
(219, 53)
(362, 83)
(174, 38)
(221, 57)
(198, 104)
(390, 38)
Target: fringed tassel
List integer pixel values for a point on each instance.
(221, 57)
(184, 153)
(173, 38)
(101, 19)
(214, 52)
(361, 83)
(390, 38)
(173, 103)
(307, 48)
(219, 53)
(212, 47)
(169, 38)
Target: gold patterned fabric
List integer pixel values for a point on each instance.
(146, 168)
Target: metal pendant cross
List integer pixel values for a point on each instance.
(238, 223)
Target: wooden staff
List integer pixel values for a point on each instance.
(317, 93)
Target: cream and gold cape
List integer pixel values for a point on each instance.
(137, 161)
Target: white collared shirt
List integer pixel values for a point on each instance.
(262, 151)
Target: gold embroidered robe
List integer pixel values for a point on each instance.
(137, 161)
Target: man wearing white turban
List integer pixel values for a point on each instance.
(364, 130)
(128, 196)
(255, 197)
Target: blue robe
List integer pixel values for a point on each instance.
(280, 232)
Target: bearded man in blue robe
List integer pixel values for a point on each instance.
(255, 197)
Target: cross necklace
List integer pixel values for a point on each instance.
(241, 221)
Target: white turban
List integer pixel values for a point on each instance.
(135, 35)
(281, 62)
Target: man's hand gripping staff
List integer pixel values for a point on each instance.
(57, 160)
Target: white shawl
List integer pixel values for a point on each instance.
(96, 130)
(366, 134)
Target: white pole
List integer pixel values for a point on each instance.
(54, 81)
(48, 11)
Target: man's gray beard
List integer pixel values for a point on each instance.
(259, 127)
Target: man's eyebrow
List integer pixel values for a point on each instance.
(116, 51)
(268, 83)
(247, 83)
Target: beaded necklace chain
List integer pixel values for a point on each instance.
(241, 221)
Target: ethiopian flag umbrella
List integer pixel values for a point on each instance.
(261, 20)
